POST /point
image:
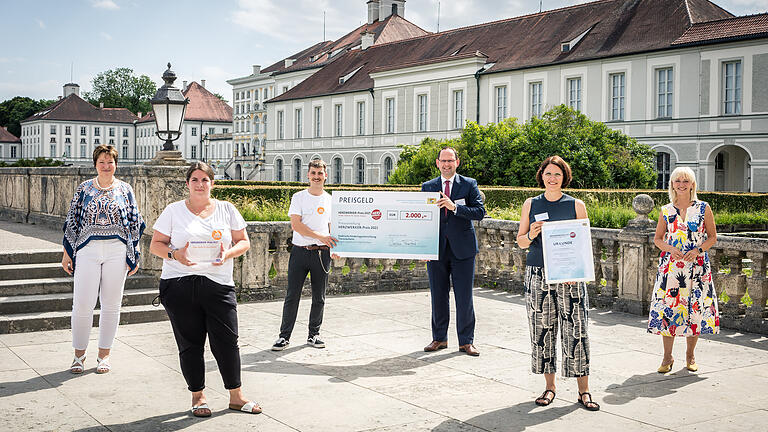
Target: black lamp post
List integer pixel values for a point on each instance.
(169, 105)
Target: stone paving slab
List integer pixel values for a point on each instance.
(374, 376)
(19, 237)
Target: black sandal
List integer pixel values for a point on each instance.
(590, 405)
(543, 400)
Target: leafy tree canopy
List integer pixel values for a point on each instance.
(220, 97)
(37, 162)
(13, 111)
(120, 88)
(509, 153)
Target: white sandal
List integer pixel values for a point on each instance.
(247, 407)
(77, 365)
(103, 366)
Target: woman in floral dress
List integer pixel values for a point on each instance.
(684, 301)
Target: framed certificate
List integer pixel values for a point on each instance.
(204, 251)
(379, 224)
(567, 251)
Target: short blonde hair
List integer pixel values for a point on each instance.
(686, 173)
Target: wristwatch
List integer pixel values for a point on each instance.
(170, 254)
(701, 250)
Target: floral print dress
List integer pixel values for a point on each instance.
(684, 302)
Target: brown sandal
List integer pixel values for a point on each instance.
(543, 400)
(590, 405)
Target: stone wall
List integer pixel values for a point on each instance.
(625, 260)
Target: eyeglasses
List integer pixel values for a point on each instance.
(447, 160)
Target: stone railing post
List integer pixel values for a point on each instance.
(636, 276)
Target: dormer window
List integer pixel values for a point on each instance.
(568, 46)
(346, 77)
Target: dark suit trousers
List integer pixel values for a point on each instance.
(301, 262)
(462, 273)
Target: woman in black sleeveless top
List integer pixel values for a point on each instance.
(555, 305)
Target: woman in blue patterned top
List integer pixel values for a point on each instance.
(101, 248)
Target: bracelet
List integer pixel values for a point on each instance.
(528, 236)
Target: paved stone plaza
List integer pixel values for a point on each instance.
(374, 375)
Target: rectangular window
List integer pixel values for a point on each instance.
(211, 131)
(53, 129)
(111, 131)
(361, 118)
(82, 152)
(82, 130)
(82, 140)
(458, 109)
(617, 96)
(53, 150)
(280, 125)
(535, 99)
(111, 141)
(501, 103)
(662, 170)
(337, 170)
(732, 87)
(298, 122)
(96, 141)
(390, 115)
(13, 152)
(338, 120)
(53, 139)
(318, 120)
(125, 132)
(574, 93)
(194, 131)
(664, 92)
(67, 130)
(225, 130)
(422, 113)
(97, 131)
(193, 153)
(125, 149)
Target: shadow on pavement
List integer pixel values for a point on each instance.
(515, 418)
(165, 422)
(647, 386)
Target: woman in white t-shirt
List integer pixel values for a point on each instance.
(198, 238)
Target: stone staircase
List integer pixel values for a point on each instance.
(36, 294)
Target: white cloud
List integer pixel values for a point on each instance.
(105, 35)
(279, 19)
(40, 23)
(105, 4)
(48, 89)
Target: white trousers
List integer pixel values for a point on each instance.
(100, 271)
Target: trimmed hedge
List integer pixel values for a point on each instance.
(495, 196)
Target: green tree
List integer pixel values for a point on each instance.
(13, 111)
(221, 97)
(509, 153)
(120, 88)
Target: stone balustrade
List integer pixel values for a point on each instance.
(625, 259)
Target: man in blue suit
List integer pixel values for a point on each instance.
(460, 204)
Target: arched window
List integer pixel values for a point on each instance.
(360, 172)
(662, 170)
(297, 170)
(279, 170)
(387, 168)
(337, 170)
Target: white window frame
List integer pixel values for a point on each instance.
(318, 120)
(574, 91)
(617, 96)
(360, 117)
(298, 120)
(280, 124)
(422, 112)
(535, 96)
(664, 78)
(359, 172)
(734, 104)
(458, 108)
(338, 119)
(500, 102)
(390, 115)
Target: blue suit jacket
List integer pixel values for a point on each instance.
(457, 229)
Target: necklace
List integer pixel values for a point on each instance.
(201, 211)
(98, 185)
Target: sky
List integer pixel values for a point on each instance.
(51, 42)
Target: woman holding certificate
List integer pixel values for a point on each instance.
(198, 239)
(552, 305)
(684, 301)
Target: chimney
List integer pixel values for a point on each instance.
(101, 105)
(289, 62)
(202, 83)
(391, 7)
(184, 86)
(138, 114)
(256, 69)
(373, 11)
(367, 39)
(71, 88)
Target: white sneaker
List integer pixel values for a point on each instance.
(315, 342)
(280, 344)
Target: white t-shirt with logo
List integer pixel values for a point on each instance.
(315, 212)
(183, 226)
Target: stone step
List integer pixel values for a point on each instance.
(29, 322)
(31, 256)
(62, 285)
(63, 301)
(31, 271)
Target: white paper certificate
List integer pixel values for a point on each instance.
(386, 224)
(204, 251)
(568, 251)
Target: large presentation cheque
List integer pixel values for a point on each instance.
(386, 224)
(568, 251)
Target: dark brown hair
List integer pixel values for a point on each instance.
(202, 166)
(317, 163)
(455, 153)
(558, 162)
(104, 149)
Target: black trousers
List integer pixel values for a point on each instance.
(198, 306)
(304, 261)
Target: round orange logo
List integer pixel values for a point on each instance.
(320, 210)
(216, 234)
